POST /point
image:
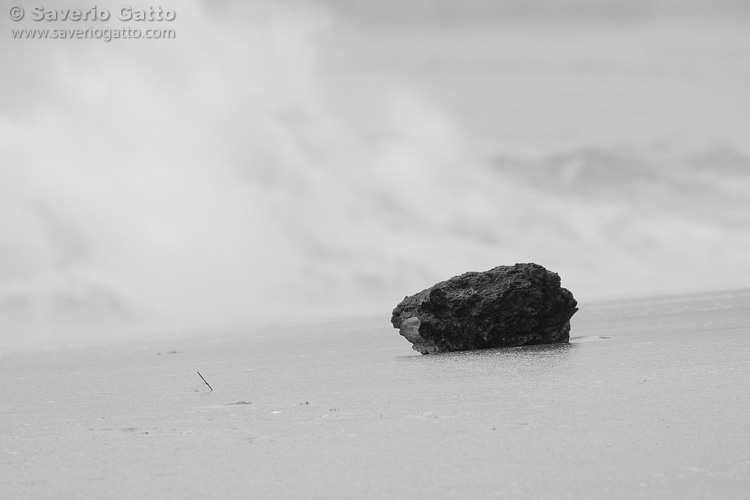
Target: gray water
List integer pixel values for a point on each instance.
(304, 160)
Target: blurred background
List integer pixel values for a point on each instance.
(298, 160)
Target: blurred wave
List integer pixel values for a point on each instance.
(412, 12)
(274, 164)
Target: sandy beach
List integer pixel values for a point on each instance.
(649, 400)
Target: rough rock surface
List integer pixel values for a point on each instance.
(505, 306)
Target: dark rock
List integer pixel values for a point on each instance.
(505, 306)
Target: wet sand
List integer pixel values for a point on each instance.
(649, 400)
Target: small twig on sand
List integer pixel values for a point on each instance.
(209, 385)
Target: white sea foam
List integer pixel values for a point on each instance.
(271, 164)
